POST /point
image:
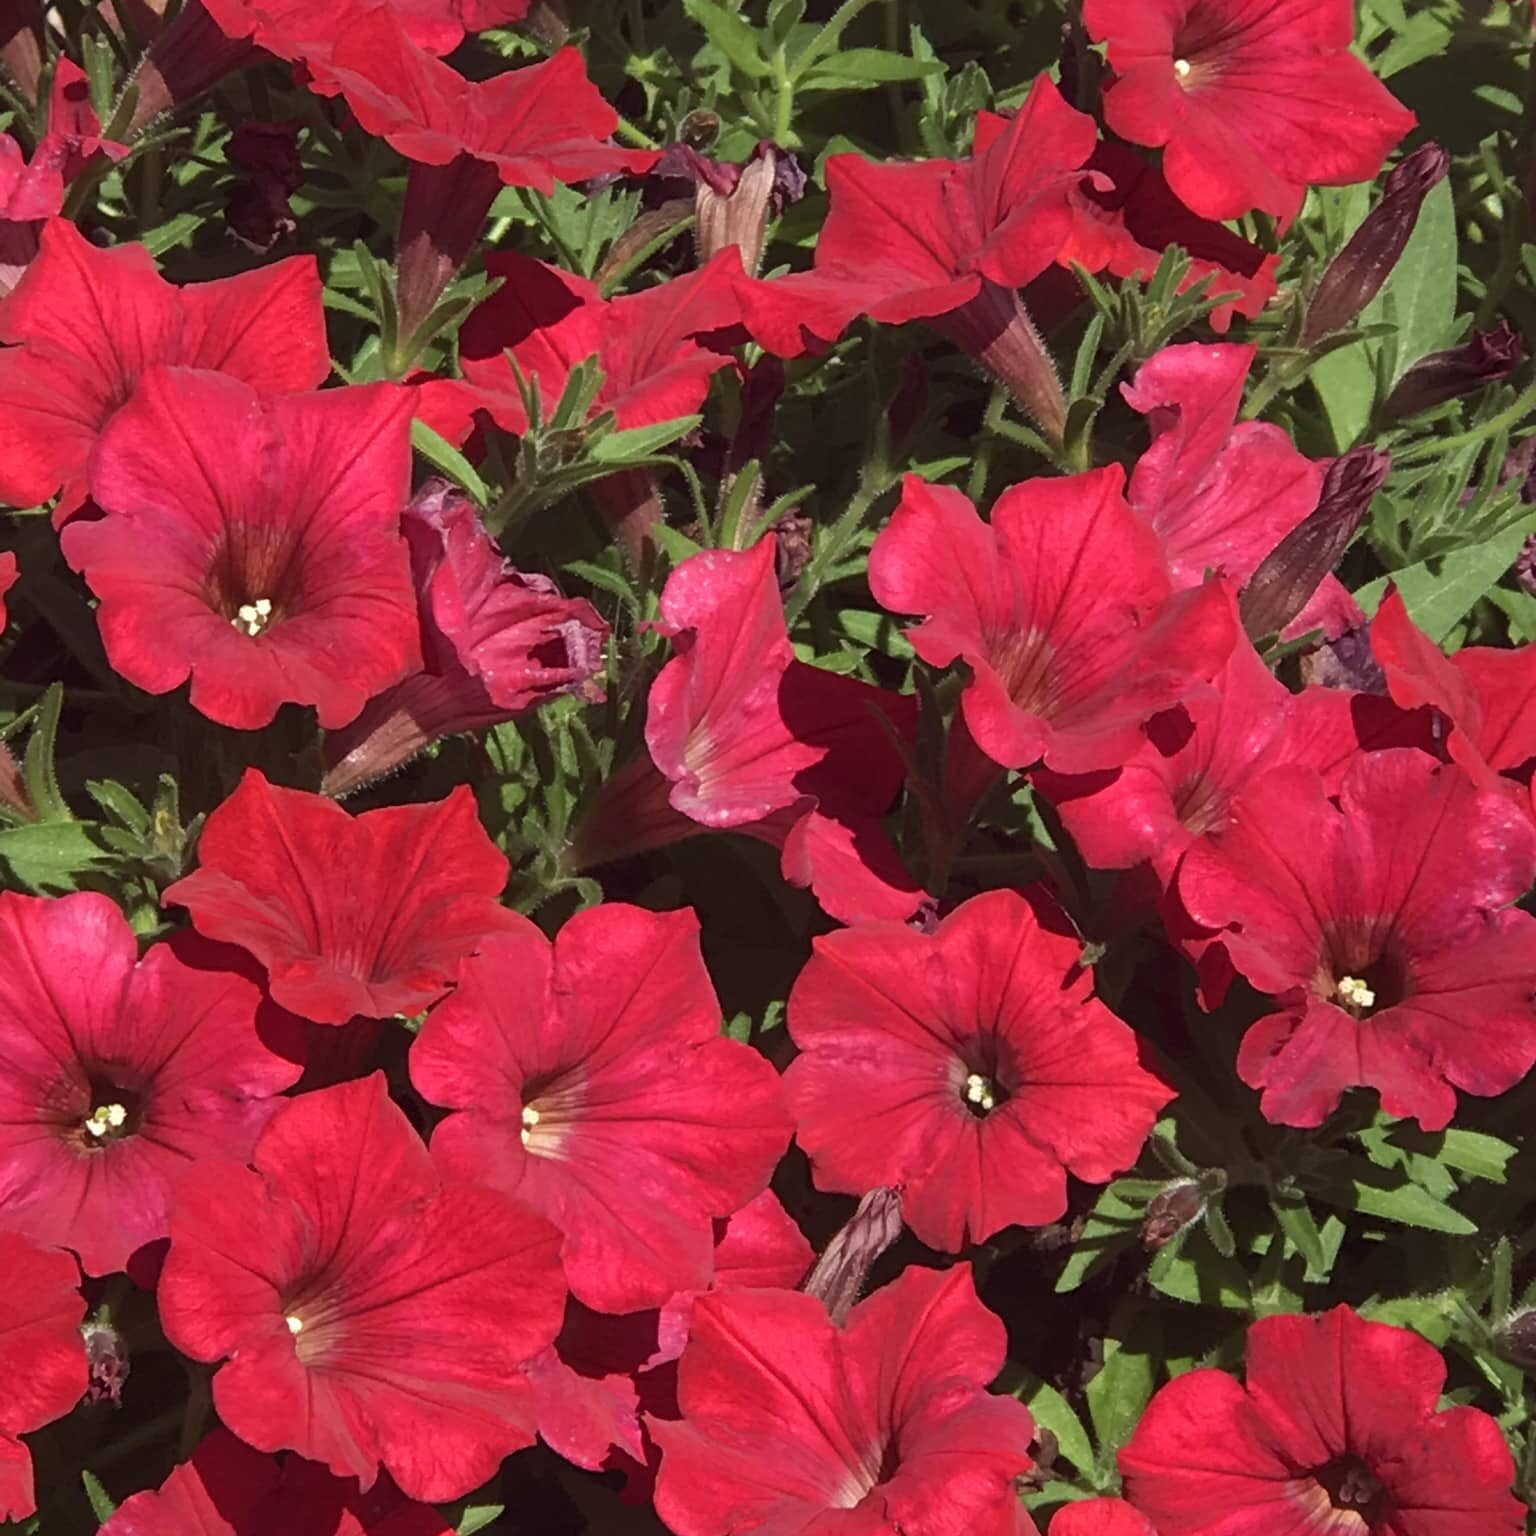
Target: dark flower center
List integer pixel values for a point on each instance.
(984, 1085)
(254, 578)
(1353, 1489)
(113, 1112)
(1362, 979)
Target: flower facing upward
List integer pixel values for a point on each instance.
(42, 1356)
(1335, 1434)
(370, 1314)
(62, 379)
(1382, 924)
(252, 544)
(120, 1073)
(351, 915)
(971, 1068)
(596, 1064)
(792, 1426)
(1062, 608)
(1251, 101)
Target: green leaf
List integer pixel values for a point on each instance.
(1441, 591)
(49, 856)
(1411, 1205)
(101, 1501)
(640, 442)
(447, 460)
(1295, 1218)
(118, 801)
(855, 67)
(42, 747)
(1418, 300)
(1121, 1389)
(477, 1516)
(1053, 1412)
(1195, 1272)
(731, 35)
(1477, 1154)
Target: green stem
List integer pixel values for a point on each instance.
(1511, 416)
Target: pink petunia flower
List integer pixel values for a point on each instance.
(84, 324)
(252, 544)
(1251, 101)
(496, 642)
(972, 1068)
(795, 1427)
(1218, 494)
(1099, 1517)
(42, 1356)
(1062, 608)
(370, 1314)
(350, 915)
(1337, 1430)
(593, 1064)
(298, 30)
(228, 1489)
(120, 1073)
(1382, 925)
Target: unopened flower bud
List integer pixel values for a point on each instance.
(1515, 1338)
(1174, 1207)
(839, 1275)
(106, 1358)
(1484, 358)
(737, 214)
(1279, 589)
(1354, 277)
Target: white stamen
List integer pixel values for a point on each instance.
(295, 1324)
(1354, 993)
(1182, 67)
(252, 618)
(106, 1118)
(530, 1119)
(978, 1091)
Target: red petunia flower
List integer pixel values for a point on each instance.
(495, 642)
(1219, 495)
(1336, 1431)
(1100, 1517)
(972, 1068)
(350, 915)
(33, 191)
(1126, 227)
(228, 1489)
(371, 1313)
(1251, 101)
(1062, 608)
(1178, 785)
(42, 1356)
(1382, 926)
(549, 320)
(253, 544)
(603, 1369)
(596, 1064)
(757, 742)
(65, 375)
(946, 241)
(120, 1072)
(1486, 696)
(794, 1427)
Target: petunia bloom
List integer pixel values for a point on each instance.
(1251, 101)
(1099, 1517)
(370, 1314)
(120, 1074)
(252, 544)
(1336, 1430)
(350, 915)
(229, 1489)
(33, 191)
(1383, 927)
(793, 1426)
(1219, 495)
(1062, 608)
(595, 1064)
(972, 1068)
(495, 643)
(945, 241)
(62, 379)
(42, 1356)
(1483, 695)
